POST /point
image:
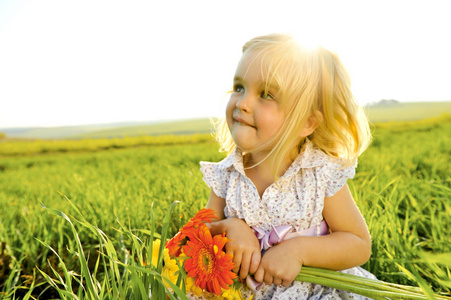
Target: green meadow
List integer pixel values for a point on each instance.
(406, 111)
(125, 187)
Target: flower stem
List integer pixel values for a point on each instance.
(367, 287)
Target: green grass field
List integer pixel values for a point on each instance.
(402, 186)
(163, 128)
(407, 111)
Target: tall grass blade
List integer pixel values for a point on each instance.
(86, 274)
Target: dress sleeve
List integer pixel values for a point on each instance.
(338, 179)
(215, 178)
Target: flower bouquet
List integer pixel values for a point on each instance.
(207, 266)
(198, 260)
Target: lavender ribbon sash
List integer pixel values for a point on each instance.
(272, 238)
(276, 235)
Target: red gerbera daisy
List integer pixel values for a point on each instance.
(207, 262)
(175, 244)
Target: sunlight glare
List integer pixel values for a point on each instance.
(313, 40)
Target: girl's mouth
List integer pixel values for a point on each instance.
(242, 122)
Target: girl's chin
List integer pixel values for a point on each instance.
(244, 147)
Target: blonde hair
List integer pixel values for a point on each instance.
(314, 86)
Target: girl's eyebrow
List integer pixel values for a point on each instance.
(262, 84)
(272, 86)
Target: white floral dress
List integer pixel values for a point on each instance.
(298, 202)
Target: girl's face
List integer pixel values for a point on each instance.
(253, 115)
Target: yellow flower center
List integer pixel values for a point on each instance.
(205, 261)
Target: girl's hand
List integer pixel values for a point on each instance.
(243, 244)
(278, 266)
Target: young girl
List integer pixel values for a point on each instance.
(293, 132)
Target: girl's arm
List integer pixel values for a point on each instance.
(348, 245)
(217, 204)
(243, 244)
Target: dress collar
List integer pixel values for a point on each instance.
(310, 157)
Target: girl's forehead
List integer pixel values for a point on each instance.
(252, 65)
(256, 66)
(249, 60)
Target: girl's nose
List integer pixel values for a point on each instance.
(244, 103)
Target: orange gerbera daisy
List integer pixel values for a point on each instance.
(207, 261)
(175, 244)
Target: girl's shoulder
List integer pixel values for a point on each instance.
(311, 157)
(330, 173)
(232, 160)
(232, 164)
(217, 174)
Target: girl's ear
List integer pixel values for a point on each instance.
(312, 123)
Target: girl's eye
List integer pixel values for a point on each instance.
(265, 95)
(238, 88)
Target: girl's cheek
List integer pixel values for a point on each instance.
(230, 106)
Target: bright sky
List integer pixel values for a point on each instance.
(89, 61)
